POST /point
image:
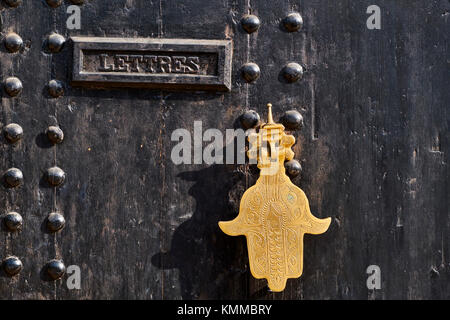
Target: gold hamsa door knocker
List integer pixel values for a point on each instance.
(274, 214)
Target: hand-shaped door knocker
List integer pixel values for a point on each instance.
(274, 213)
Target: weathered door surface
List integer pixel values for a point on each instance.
(374, 146)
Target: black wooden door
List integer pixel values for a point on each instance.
(374, 151)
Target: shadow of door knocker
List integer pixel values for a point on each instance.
(274, 213)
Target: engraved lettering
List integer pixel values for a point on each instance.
(103, 67)
(179, 64)
(134, 60)
(150, 62)
(165, 64)
(193, 64)
(119, 63)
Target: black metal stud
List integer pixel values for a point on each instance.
(12, 266)
(13, 132)
(77, 1)
(293, 168)
(250, 72)
(13, 221)
(13, 86)
(55, 88)
(55, 134)
(13, 42)
(55, 222)
(292, 72)
(13, 3)
(13, 177)
(55, 176)
(293, 22)
(54, 3)
(55, 42)
(249, 119)
(292, 120)
(250, 23)
(55, 269)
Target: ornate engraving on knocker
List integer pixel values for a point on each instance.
(274, 213)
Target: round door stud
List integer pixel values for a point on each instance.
(55, 42)
(13, 221)
(293, 22)
(13, 3)
(293, 168)
(55, 134)
(13, 86)
(55, 88)
(13, 42)
(13, 132)
(292, 120)
(54, 3)
(249, 119)
(55, 176)
(250, 23)
(250, 72)
(12, 266)
(55, 222)
(13, 177)
(56, 269)
(292, 72)
(77, 1)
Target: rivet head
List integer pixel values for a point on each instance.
(55, 88)
(249, 119)
(54, 3)
(13, 221)
(13, 177)
(13, 132)
(12, 266)
(293, 22)
(77, 1)
(250, 72)
(292, 72)
(293, 168)
(55, 42)
(292, 120)
(13, 86)
(13, 3)
(55, 221)
(250, 23)
(13, 42)
(55, 134)
(55, 176)
(55, 269)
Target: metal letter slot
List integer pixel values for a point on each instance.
(274, 213)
